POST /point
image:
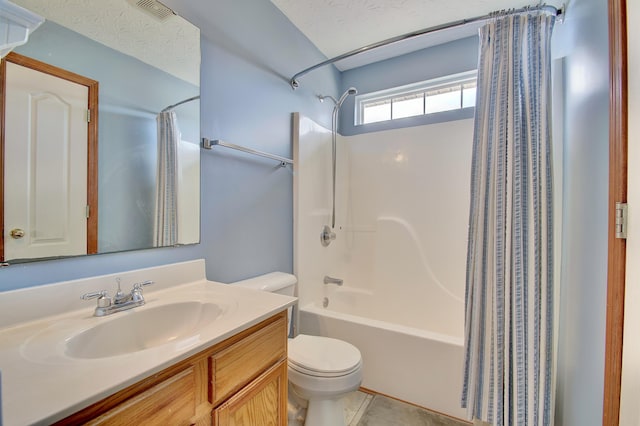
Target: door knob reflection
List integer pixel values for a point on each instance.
(17, 233)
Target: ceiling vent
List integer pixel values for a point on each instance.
(153, 8)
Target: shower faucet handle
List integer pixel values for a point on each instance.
(327, 236)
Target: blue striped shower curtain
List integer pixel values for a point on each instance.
(509, 284)
(166, 212)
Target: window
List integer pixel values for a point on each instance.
(426, 97)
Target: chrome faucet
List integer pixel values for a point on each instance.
(120, 302)
(331, 280)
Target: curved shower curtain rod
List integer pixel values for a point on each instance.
(180, 103)
(294, 80)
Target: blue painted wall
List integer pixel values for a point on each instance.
(437, 61)
(582, 302)
(249, 51)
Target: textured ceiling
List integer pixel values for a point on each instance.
(172, 45)
(339, 26)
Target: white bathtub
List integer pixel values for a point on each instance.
(415, 365)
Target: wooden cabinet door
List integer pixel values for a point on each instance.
(262, 402)
(171, 402)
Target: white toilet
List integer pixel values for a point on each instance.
(321, 369)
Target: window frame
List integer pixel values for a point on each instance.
(388, 95)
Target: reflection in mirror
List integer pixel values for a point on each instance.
(147, 160)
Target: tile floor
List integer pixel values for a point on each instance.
(364, 409)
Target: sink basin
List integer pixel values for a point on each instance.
(136, 330)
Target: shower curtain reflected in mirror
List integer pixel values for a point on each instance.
(166, 214)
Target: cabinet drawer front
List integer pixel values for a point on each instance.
(237, 365)
(169, 402)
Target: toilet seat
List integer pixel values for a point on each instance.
(315, 373)
(323, 356)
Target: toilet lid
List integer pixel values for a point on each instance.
(318, 355)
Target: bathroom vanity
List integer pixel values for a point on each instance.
(198, 352)
(239, 381)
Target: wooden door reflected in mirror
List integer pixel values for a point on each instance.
(49, 201)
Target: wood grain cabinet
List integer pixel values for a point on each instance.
(259, 403)
(241, 381)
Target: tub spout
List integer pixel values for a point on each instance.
(331, 280)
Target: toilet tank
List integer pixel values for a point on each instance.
(274, 282)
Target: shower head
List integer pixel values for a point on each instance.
(338, 103)
(349, 91)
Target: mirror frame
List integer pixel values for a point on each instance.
(92, 141)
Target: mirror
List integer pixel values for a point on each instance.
(138, 176)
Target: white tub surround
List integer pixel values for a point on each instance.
(402, 206)
(36, 321)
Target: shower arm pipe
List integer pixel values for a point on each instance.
(294, 80)
(208, 144)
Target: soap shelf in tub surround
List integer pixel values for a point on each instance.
(36, 324)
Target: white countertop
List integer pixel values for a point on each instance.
(41, 384)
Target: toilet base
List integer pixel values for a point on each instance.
(325, 412)
(296, 408)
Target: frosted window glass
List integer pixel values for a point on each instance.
(469, 97)
(408, 107)
(443, 102)
(375, 113)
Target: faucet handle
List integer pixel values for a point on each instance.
(327, 235)
(136, 291)
(93, 295)
(103, 299)
(138, 286)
